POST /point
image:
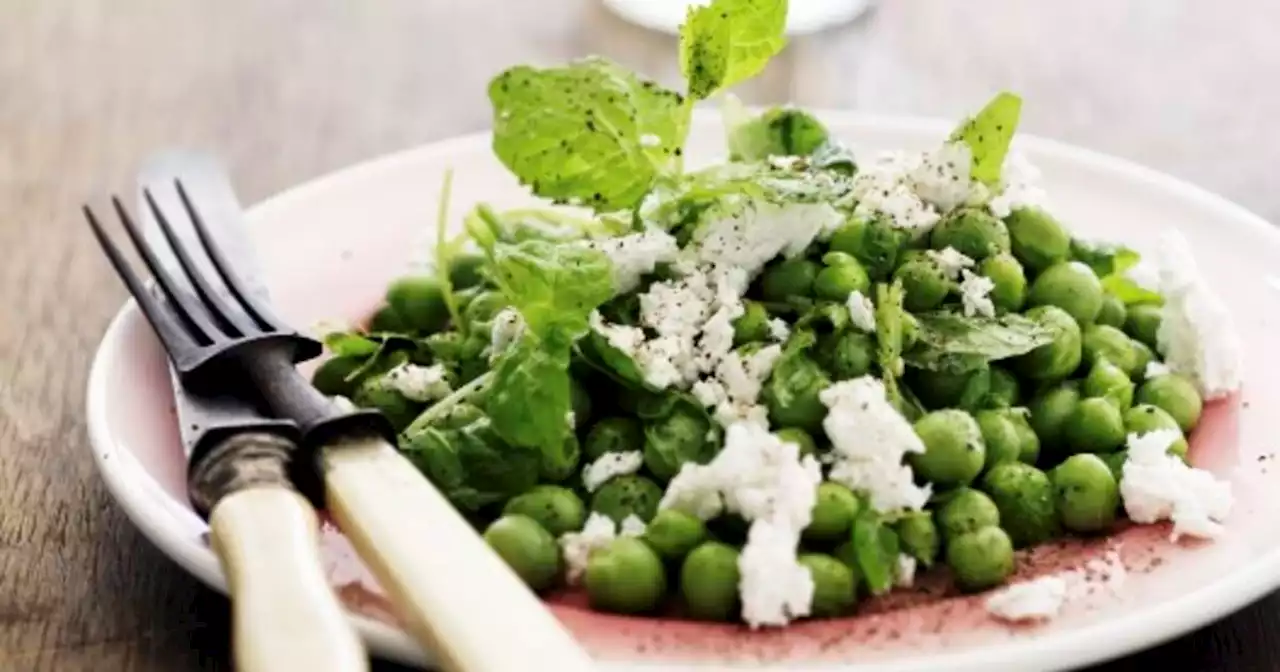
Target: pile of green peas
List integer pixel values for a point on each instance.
(1018, 452)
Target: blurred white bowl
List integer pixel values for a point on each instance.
(804, 16)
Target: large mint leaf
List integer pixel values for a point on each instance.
(989, 134)
(554, 286)
(728, 41)
(949, 341)
(590, 131)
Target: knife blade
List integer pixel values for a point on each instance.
(264, 532)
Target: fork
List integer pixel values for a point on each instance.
(262, 530)
(456, 596)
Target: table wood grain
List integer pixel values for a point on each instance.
(286, 90)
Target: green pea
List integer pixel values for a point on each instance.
(833, 512)
(954, 452)
(798, 436)
(376, 394)
(967, 510)
(1146, 418)
(1085, 493)
(835, 588)
(625, 577)
(980, 559)
(1002, 439)
(791, 277)
(557, 467)
(386, 321)
(627, 495)
(1037, 239)
(1095, 426)
(1003, 390)
(558, 510)
(971, 231)
(1101, 341)
(876, 245)
(918, 536)
(1010, 290)
(1142, 356)
(925, 283)
(672, 440)
(1113, 311)
(1050, 411)
(674, 533)
(1024, 496)
(842, 275)
(614, 434)
(1143, 321)
(1110, 382)
(1071, 286)
(466, 270)
(709, 581)
(753, 325)
(847, 354)
(331, 377)
(527, 548)
(1060, 357)
(791, 394)
(950, 389)
(1029, 443)
(419, 303)
(1176, 395)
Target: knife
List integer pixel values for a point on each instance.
(457, 597)
(285, 615)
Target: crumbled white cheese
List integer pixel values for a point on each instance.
(861, 312)
(733, 391)
(636, 255)
(975, 294)
(1154, 370)
(1035, 600)
(905, 576)
(941, 177)
(611, 465)
(650, 140)
(779, 330)
(774, 587)
(508, 326)
(1197, 335)
(1019, 186)
(598, 531)
(870, 441)
(1156, 485)
(749, 237)
(883, 187)
(418, 383)
(950, 261)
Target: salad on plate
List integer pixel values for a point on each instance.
(762, 390)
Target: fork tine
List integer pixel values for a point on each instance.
(198, 323)
(254, 307)
(175, 339)
(233, 322)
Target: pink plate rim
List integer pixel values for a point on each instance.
(178, 532)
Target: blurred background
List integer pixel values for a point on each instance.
(286, 90)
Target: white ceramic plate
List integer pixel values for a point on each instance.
(803, 16)
(331, 246)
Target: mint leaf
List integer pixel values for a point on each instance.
(728, 41)
(1128, 291)
(875, 547)
(889, 339)
(350, 344)
(590, 131)
(1104, 258)
(989, 134)
(954, 343)
(529, 399)
(554, 286)
(470, 464)
(779, 131)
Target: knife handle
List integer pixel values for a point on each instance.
(265, 534)
(457, 597)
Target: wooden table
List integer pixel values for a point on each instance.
(287, 90)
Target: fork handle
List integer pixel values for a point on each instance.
(458, 598)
